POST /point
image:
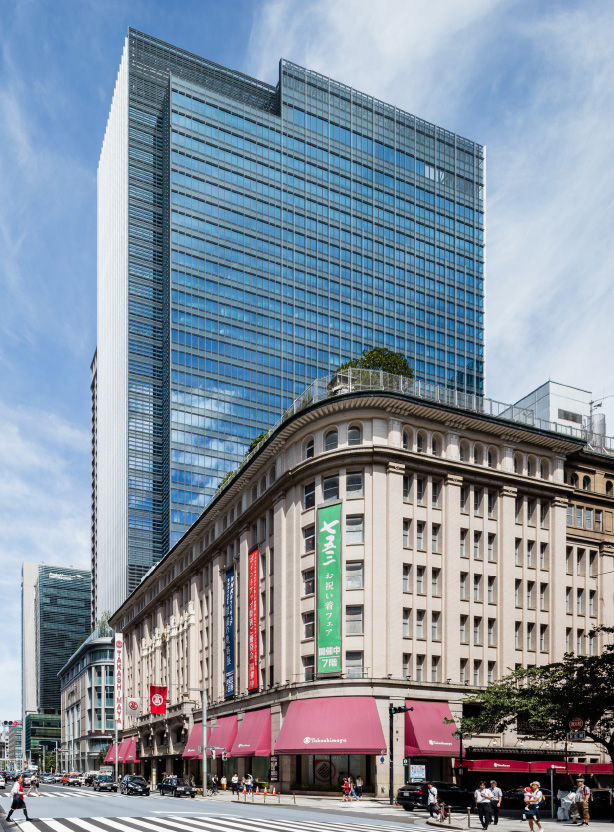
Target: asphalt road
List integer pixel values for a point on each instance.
(74, 809)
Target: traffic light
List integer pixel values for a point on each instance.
(213, 753)
(224, 755)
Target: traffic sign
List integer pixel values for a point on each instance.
(576, 735)
(576, 723)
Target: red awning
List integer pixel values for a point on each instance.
(110, 758)
(544, 766)
(254, 737)
(425, 731)
(122, 751)
(221, 735)
(494, 765)
(599, 768)
(130, 755)
(350, 724)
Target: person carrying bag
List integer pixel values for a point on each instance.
(17, 801)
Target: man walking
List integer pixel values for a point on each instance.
(497, 795)
(582, 795)
(17, 801)
(33, 786)
(432, 799)
(483, 802)
(235, 783)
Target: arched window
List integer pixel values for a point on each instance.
(331, 440)
(544, 469)
(609, 488)
(574, 480)
(263, 485)
(517, 464)
(254, 493)
(586, 484)
(354, 435)
(407, 440)
(477, 454)
(464, 450)
(492, 458)
(272, 476)
(436, 445)
(531, 466)
(309, 448)
(420, 442)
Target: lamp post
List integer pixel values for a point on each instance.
(392, 710)
(203, 693)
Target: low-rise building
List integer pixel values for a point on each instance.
(385, 546)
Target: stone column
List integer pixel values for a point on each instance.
(450, 577)
(506, 573)
(557, 583)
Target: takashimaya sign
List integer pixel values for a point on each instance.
(329, 589)
(119, 680)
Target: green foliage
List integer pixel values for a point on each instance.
(101, 755)
(381, 359)
(256, 440)
(49, 764)
(542, 700)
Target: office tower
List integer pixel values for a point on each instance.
(56, 612)
(251, 238)
(94, 483)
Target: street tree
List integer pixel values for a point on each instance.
(544, 699)
(100, 758)
(380, 358)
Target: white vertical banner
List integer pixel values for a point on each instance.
(119, 681)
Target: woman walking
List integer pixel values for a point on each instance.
(346, 789)
(532, 810)
(17, 798)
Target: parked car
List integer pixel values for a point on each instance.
(514, 799)
(71, 780)
(88, 777)
(600, 805)
(104, 783)
(10, 776)
(2, 782)
(176, 786)
(416, 794)
(134, 784)
(47, 778)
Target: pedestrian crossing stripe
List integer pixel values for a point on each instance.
(176, 823)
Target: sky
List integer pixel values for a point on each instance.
(533, 80)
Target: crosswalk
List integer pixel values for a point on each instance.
(61, 794)
(205, 823)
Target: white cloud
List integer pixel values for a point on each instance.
(534, 83)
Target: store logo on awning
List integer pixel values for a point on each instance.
(309, 740)
(439, 742)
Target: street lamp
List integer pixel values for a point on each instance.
(392, 710)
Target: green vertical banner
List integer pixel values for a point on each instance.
(329, 589)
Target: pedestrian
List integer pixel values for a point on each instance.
(431, 799)
(497, 796)
(235, 783)
(532, 810)
(358, 789)
(582, 796)
(214, 783)
(483, 802)
(192, 782)
(17, 801)
(223, 782)
(249, 783)
(352, 789)
(345, 788)
(33, 786)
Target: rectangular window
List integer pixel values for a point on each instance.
(435, 492)
(406, 533)
(435, 626)
(570, 515)
(580, 642)
(406, 665)
(463, 672)
(530, 587)
(354, 529)
(580, 562)
(330, 488)
(592, 560)
(435, 581)
(420, 535)
(519, 502)
(589, 518)
(463, 586)
(579, 516)
(434, 668)
(308, 674)
(477, 500)
(580, 602)
(530, 628)
(517, 589)
(491, 503)
(308, 625)
(598, 520)
(419, 491)
(308, 582)
(491, 589)
(353, 664)
(420, 624)
(309, 538)
(591, 602)
(420, 668)
(543, 555)
(435, 538)
(530, 511)
(309, 495)
(353, 574)
(463, 629)
(568, 599)
(491, 673)
(406, 487)
(420, 570)
(491, 632)
(530, 549)
(517, 634)
(477, 587)
(568, 559)
(543, 638)
(407, 622)
(568, 640)
(477, 672)
(591, 645)
(477, 536)
(477, 631)
(407, 577)
(354, 484)
(518, 552)
(353, 621)
(543, 514)
(463, 542)
(463, 498)
(543, 596)
(491, 548)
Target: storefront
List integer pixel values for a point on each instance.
(511, 774)
(430, 744)
(220, 736)
(127, 755)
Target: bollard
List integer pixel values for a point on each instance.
(252, 795)
(264, 796)
(449, 816)
(294, 796)
(279, 797)
(468, 817)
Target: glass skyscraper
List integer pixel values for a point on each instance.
(251, 238)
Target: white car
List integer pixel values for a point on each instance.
(2, 782)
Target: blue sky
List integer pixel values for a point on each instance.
(533, 81)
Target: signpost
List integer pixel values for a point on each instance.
(576, 723)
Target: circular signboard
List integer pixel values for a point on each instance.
(157, 699)
(576, 724)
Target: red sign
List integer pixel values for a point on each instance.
(576, 724)
(119, 680)
(253, 581)
(157, 699)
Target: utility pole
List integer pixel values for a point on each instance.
(392, 710)
(203, 692)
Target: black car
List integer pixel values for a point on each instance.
(104, 783)
(133, 784)
(416, 794)
(176, 786)
(514, 799)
